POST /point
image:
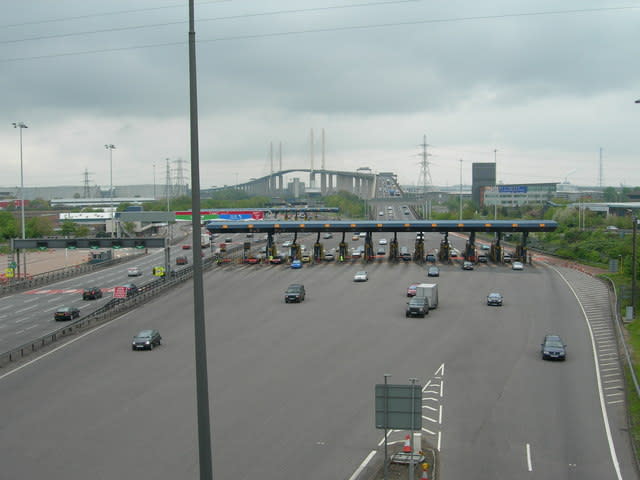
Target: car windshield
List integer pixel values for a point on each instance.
(554, 343)
(64, 309)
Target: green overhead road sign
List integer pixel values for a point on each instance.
(93, 243)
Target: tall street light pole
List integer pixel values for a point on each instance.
(205, 457)
(634, 272)
(460, 189)
(110, 147)
(20, 126)
(633, 261)
(495, 161)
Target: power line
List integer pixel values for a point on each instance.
(105, 14)
(327, 30)
(214, 19)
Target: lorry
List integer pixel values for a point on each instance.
(430, 291)
(205, 240)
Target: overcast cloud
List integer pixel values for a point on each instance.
(545, 83)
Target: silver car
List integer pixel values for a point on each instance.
(360, 276)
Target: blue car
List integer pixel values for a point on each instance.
(296, 264)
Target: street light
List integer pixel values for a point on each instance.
(460, 189)
(633, 266)
(20, 126)
(110, 147)
(495, 174)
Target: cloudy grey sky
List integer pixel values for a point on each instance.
(545, 83)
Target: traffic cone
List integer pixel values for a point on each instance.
(407, 444)
(425, 472)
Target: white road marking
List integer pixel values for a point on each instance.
(25, 309)
(73, 340)
(32, 326)
(529, 466)
(362, 465)
(603, 406)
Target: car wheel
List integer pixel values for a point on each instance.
(151, 346)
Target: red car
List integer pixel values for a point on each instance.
(186, 247)
(411, 291)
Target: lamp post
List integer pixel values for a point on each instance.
(20, 126)
(460, 189)
(495, 161)
(110, 147)
(633, 260)
(633, 266)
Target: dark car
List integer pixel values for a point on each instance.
(182, 260)
(482, 258)
(66, 313)
(131, 289)
(295, 293)
(431, 258)
(146, 340)
(91, 293)
(433, 272)
(417, 307)
(553, 348)
(466, 265)
(494, 299)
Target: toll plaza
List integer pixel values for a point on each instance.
(396, 253)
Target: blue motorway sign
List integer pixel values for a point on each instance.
(512, 188)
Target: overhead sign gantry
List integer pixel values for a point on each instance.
(369, 227)
(443, 226)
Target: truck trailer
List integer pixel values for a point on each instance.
(430, 291)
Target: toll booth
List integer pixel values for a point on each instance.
(418, 253)
(394, 254)
(318, 252)
(271, 250)
(343, 251)
(369, 254)
(522, 250)
(470, 253)
(496, 249)
(444, 253)
(295, 251)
